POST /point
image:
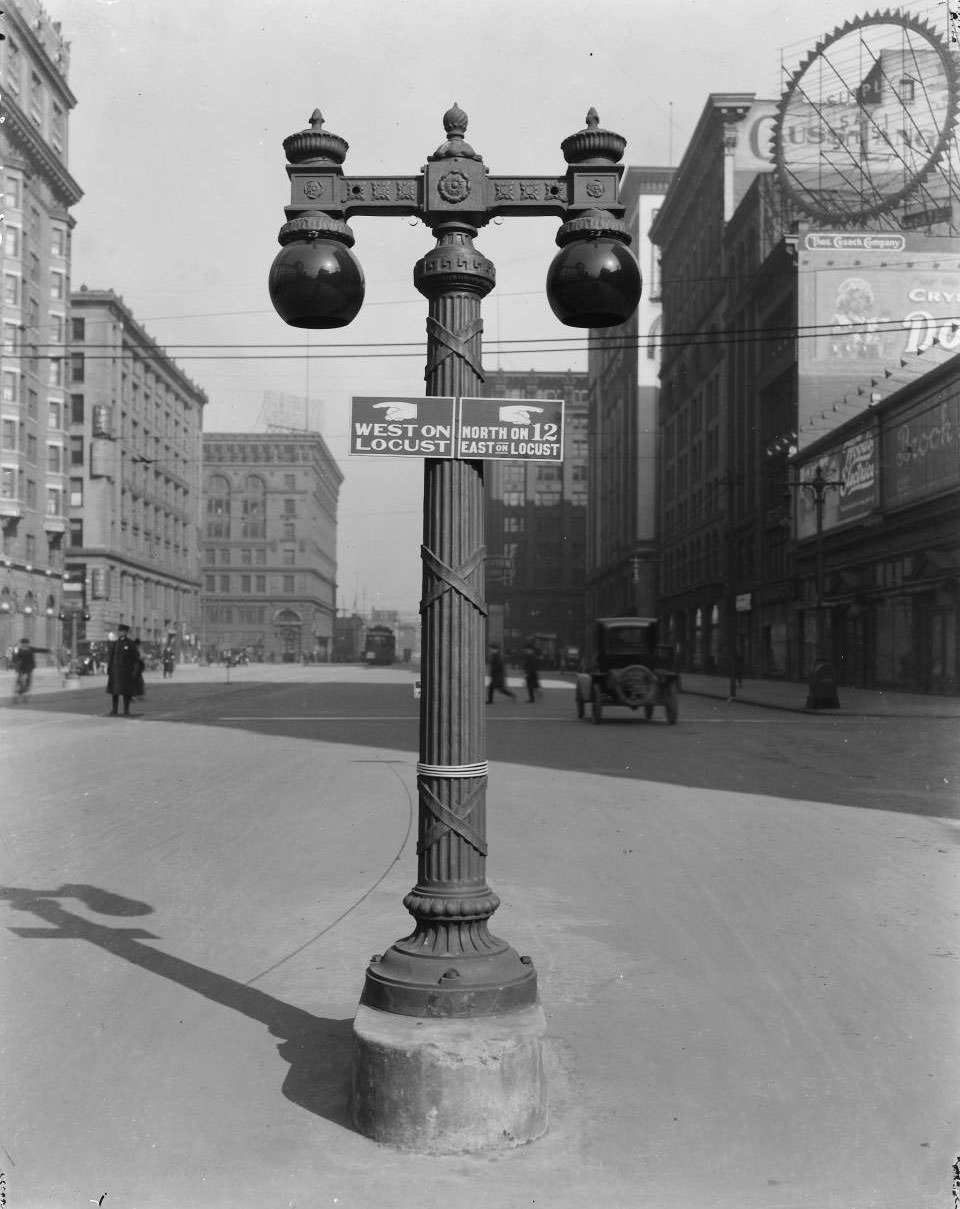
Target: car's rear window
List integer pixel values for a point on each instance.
(634, 638)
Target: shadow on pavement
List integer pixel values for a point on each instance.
(316, 1049)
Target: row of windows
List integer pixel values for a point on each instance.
(153, 545)
(14, 437)
(252, 556)
(26, 85)
(692, 562)
(17, 245)
(244, 585)
(13, 286)
(244, 614)
(12, 385)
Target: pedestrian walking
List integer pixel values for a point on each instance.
(531, 672)
(23, 661)
(498, 675)
(168, 661)
(124, 671)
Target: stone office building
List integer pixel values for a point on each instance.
(269, 560)
(38, 192)
(135, 421)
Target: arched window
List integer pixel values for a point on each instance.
(218, 506)
(254, 508)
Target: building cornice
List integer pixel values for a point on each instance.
(304, 437)
(722, 112)
(23, 133)
(640, 181)
(55, 68)
(133, 331)
(130, 564)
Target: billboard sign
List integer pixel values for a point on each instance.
(867, 301)
(853, 470)
(867, 116)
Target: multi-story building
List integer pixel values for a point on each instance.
(696, 452)
(623, 369)
(34, 307)
(777, 331)
(269, 548)
(535, 518)
(878, 554)
(135, 424)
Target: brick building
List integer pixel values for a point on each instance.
(269, 546)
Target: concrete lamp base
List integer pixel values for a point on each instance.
(450, 1086)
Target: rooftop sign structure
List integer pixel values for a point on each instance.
(866, 118)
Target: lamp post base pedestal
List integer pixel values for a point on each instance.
(450, 1085)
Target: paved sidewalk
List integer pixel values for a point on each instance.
(750, 999)
(792, 695)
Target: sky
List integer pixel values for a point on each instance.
(176, 141)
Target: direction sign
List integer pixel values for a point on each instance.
(403, 426)
(528, 430)
(475, 429)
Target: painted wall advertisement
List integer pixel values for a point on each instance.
(921, 454)
(867, 301)
(852, 470)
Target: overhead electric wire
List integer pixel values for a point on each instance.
(710, 338)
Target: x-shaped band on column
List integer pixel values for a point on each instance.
(455, 579)
(444, 820)
(454, 345)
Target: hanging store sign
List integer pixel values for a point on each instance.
(476, 429)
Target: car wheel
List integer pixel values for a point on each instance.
(670, 701)
(596, 707)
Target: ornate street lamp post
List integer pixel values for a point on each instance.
(822, 691)
(451, 967)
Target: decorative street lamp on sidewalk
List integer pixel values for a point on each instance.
(822, 687)
(448, 1036)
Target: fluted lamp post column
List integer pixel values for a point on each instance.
(448, 1035)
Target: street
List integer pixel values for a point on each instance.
(745, 929)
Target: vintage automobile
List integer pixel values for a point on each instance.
(627, 665)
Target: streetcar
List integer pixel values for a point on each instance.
(379, 645)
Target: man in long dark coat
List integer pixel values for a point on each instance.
(124, 670)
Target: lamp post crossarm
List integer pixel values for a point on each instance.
(459, 190)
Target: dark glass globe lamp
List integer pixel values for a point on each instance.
(315, 280)
(594, 280)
